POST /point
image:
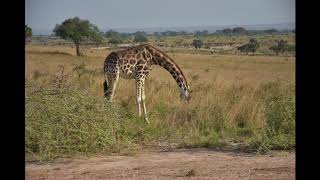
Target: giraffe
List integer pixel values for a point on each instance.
(136, 63)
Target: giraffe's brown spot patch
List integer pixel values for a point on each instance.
(144, 55)
(125, 61)
(141, 61)
(138, 56)
(154, 61)
(138, 68)
(167, 64)
(174, 76)
(163, 64)
(132, 61)
(150, 50)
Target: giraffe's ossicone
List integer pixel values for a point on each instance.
(136, 63)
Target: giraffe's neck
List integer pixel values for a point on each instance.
(163, 60)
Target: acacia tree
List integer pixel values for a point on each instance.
(140, 37)
(114, 37)
(78, 31)
(28, 33)
(281, 46)
(252, 46)
(197, 43)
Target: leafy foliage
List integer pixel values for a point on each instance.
(78, 31)
(252, 46)
(28, 33)
(281, 47)
(114, 37)
(197, 43)
(140, 37)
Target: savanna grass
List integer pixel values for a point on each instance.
(249, 101)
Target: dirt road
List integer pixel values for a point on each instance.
(178, 164)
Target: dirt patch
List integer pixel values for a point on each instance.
(179, 164)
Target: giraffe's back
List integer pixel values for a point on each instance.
(133, 63)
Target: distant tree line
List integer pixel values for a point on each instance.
(82, 32)
(281, 46)
(226, 31)
(243, 31)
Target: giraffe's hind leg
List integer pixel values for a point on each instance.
(141, 98)
(138, 93)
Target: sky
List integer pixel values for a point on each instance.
(108, 14)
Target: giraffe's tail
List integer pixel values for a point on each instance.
(105, 87)
(105, 83)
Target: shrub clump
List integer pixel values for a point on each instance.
(69, 122)
(279, 131)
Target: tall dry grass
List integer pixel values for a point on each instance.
(241, 100)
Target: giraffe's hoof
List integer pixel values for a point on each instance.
(147, 120)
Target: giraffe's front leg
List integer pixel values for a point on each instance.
(111, 85)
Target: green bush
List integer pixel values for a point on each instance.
(279, 133)
(63, 122)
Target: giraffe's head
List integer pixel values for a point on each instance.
(185, 93)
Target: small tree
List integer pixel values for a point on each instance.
(78, 31)
(115, 40)
(111, 33)
(97, 38)
(252, 46)
(281, 46)
(140, 37)
(197, 43)
(28, 33)
(114, 37)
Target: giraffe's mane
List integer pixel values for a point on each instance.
(165, 55)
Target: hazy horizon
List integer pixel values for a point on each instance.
(115, 14)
